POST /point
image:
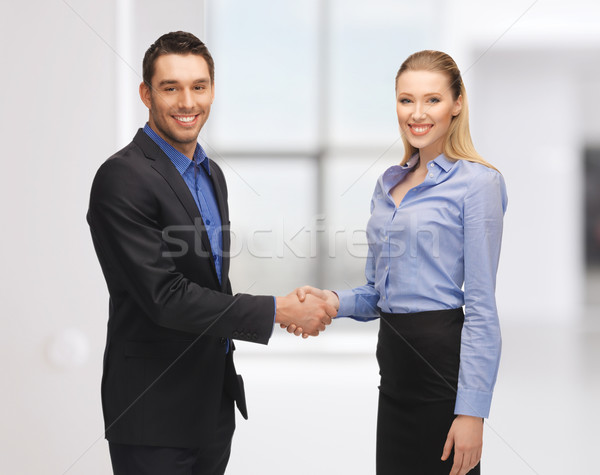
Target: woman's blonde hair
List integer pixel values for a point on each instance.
(458, 144)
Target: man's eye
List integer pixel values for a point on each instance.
(169, 89)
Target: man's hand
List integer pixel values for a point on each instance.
(311, 315)
(466, 435)
(301, 292)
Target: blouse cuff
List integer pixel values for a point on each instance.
(472, 402)
(347, 302)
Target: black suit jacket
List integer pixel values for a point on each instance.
(165, 363)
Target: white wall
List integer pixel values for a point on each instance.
(59, 120)
(57, 115)
(528, 126)
(530, 69)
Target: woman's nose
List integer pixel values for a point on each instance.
(418, 112)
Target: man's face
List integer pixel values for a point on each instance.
(179, 100)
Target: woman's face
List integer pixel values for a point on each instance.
(425, 109)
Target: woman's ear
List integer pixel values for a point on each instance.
(457, 106)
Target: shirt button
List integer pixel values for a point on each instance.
(431, 165)
(387, 267)
(383, 298)
(431, 175)
(385, 238)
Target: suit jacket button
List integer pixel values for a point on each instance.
(223, 341)
(235, 334)
(254, 336)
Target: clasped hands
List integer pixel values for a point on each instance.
(307, 310)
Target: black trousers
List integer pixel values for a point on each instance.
(418, 356)
(210, 459)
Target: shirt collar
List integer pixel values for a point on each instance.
(181, 162)
(444, 162)
(441, 160)
(412, 161)
(392, 176)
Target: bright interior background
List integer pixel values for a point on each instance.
(303, 124)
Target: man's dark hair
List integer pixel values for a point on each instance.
(176, 42)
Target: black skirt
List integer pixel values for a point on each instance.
(418, 356)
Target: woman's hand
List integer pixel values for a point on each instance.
(328, 295)
(466, 435)
(301, 292)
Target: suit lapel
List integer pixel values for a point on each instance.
(218, 182)
(163, 165)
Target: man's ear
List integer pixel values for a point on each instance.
(145, 94)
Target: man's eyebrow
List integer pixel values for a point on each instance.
(167, 81)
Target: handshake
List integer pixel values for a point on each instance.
(307, 310)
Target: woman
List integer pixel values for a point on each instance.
(436, 224)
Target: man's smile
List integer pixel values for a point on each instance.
(186, 119)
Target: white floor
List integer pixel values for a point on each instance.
(313, 411)
(313, 406)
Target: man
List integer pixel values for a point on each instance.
(159, 220)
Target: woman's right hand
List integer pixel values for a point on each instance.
(328, 295)
(301, 292)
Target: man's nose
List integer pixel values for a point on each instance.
(186, 101)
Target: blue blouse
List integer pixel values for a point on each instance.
(446, 232)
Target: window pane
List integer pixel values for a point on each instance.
(370, 40)
(349, 185)
(265, 74)
(271, 204)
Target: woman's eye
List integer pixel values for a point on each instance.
(434, 100)
(404, 101)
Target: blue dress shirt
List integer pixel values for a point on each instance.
(196, 174)
(446, 232)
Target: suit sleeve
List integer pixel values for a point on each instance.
(128, 240)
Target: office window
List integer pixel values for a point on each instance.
(305, 114)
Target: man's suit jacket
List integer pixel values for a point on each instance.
(165, 363)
